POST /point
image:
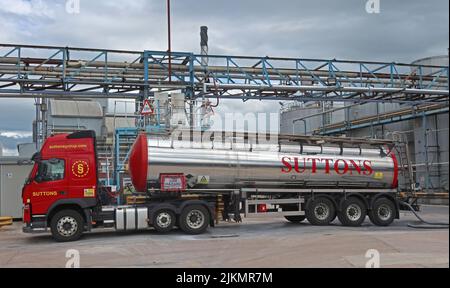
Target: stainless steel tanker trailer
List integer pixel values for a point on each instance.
(191, 184)
(295, 180)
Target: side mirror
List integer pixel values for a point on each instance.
(38, 179)
(36, 157)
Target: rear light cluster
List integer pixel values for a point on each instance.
(262, 208)
(27, 213)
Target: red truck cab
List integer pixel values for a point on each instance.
(64, 177)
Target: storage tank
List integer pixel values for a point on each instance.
(431, 61)
(431, 136)
(232, 166)
(305, 119)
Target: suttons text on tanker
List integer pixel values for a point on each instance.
(340, 166)
(219, 279)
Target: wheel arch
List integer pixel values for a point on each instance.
(82, 206)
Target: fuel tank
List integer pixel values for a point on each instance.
(233, 166)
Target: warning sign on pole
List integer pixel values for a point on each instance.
(147, 108)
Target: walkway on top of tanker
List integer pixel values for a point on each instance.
(280, 138)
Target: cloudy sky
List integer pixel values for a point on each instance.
(403, 31)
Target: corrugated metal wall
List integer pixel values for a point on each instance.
(12, 178)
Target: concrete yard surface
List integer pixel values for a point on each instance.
(260, 243)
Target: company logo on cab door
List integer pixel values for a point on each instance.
(340, 166)
(45, 194)
(80, 169)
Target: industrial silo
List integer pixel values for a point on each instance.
(431, 134)
(308, 118)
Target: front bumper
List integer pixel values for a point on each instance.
(34, 228)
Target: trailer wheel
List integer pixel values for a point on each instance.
(295, 219)
(383, 212)
(67, 226)
(353, 212)
(164, 221)
(320, 211)
(194, 219)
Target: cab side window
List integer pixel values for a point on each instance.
(50, 170)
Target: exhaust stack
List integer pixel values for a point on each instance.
(204, 45)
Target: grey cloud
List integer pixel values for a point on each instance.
(404, 30)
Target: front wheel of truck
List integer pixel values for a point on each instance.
(67, 226)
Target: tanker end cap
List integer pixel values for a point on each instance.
(396, 171)
(138, 162)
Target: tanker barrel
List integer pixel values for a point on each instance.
(237, 165)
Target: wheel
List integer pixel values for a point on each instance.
(383, 212)
(320, 211)
(67, 226)
(295, 219)
(164, 220)
(194, 219)
(353, 212)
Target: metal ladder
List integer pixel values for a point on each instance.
(405, 166)
(406, 172)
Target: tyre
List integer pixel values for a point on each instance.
(320, 211)
(295, 219)
(383, 212)
(67, 226)
(194, 219)
(164, 221)
(353, 212)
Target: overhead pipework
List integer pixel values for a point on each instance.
(93, 73)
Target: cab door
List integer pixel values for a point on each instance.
(49, 184)
(83, 177)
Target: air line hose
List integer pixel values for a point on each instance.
(429, 225)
